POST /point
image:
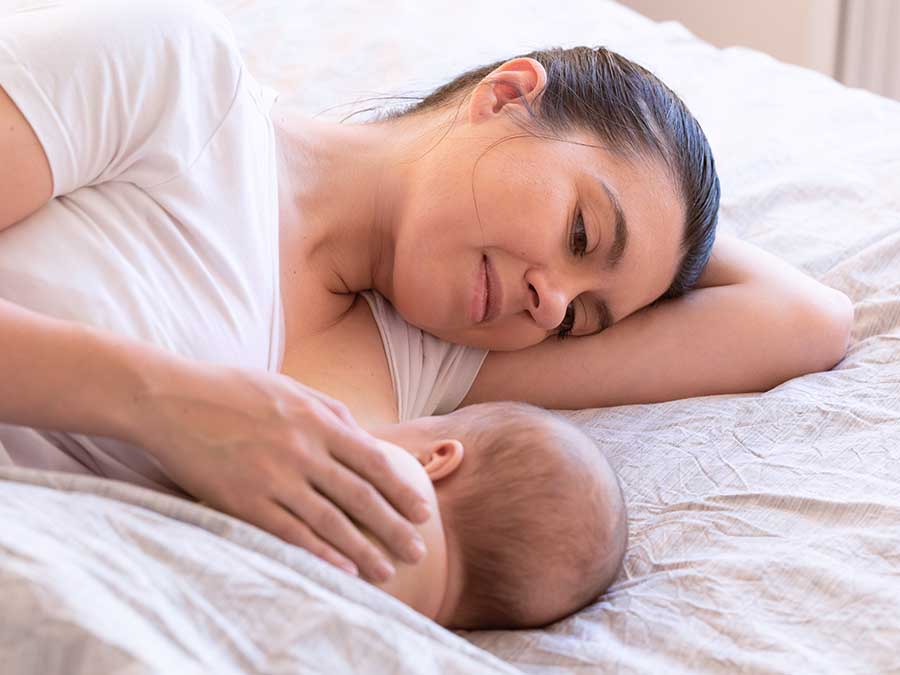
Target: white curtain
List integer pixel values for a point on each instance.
(868, 49)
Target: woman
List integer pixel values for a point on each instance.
(556, 193)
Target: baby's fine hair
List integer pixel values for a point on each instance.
(538, 516)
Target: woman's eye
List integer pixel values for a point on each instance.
(579, 237)
(568, 323)
(579, 248)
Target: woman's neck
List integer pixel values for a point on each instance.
(342, 191)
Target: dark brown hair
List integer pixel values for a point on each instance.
(537, 514)
(632, 112)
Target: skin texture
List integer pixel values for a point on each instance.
(391, 206)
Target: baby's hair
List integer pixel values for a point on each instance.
(537, 513)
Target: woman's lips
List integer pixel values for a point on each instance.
(487, 295)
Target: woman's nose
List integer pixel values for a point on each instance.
(547, 302)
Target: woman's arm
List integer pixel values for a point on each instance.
(254, 444)
(752, 323)
(26, 182)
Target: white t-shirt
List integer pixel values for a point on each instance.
(431, 376)
(164, 220)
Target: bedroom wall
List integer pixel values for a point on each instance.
(802, 32)
(870, 48)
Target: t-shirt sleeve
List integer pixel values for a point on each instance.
(129, 91)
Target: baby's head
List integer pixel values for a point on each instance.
(531, 523)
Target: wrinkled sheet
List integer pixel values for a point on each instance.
(101, 576)
(765, 528)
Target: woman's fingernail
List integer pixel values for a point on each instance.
(384, 571)
(350, 568)
(416, 550)
(422, 512)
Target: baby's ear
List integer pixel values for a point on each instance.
(443, 457)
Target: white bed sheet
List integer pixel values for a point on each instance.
(765, 528)
(99, 576)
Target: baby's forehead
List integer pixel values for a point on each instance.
(533, 429)
(512, 423)
(523, 414)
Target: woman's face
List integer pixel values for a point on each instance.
(532, 196)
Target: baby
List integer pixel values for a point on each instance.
(529, 521)
(528, 518)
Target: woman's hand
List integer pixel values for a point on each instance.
(284, 457)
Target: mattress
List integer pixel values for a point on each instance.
(765, 527)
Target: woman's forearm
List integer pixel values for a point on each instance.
(730, 339)
(66, 376)
(756, 323)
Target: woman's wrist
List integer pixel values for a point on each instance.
(150, 375)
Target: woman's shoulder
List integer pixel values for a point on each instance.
(58, 59)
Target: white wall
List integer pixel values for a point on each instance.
(803, 32)
(870, 51)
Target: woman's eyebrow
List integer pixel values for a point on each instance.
(615, 254)
(620, 237)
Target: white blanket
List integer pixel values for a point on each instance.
(765, 528)
(100, 576)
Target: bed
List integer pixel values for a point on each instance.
(765, 527)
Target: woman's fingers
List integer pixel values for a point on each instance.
(335, 530)
(283, 523)
(343, 493)
(259, 446)
(362, 452)
(343, 412)
(334, 405)
(363, 489)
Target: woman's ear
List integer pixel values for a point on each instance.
(442, 458)
(523, 76)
